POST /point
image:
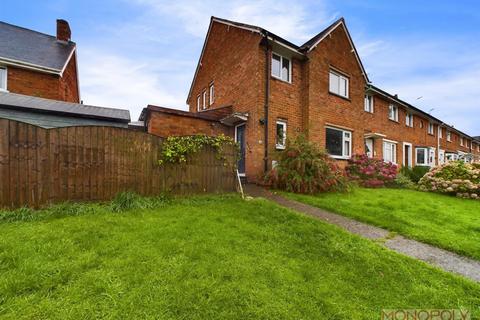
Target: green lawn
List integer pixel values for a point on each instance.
(444, 221)
(215, 257)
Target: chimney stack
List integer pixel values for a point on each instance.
(63, 30)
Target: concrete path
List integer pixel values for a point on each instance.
(443, 259)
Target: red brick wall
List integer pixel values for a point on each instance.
(164, 125)
(49, 86)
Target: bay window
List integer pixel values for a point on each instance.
(338, 143)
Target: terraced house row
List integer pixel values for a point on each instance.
(263, 89)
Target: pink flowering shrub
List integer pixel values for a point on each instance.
(456, 178)
(371, 173)
(303, 168)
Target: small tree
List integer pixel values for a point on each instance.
(303, 168)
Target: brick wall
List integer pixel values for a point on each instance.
(49, 86)
(164, 125)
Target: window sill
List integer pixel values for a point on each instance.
(4, 90)
(370, 112)
(431, 134)
(408, 126)
(339, 96)
(340, 157)
(280, 79)
(395, 121)
(280, 147)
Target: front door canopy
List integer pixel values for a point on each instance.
(234, 119)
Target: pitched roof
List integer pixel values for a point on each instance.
(22, 102)
(30, 48)
(211, 115)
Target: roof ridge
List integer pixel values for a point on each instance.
(324, 31)
(34, 31)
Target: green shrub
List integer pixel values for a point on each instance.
(415, 173)
(403, 182)
(456, 177)
(304, 168)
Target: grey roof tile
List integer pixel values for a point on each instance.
(32, 47)
(23, 102)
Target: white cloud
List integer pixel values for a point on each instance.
(111, 80)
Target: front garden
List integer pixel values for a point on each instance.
(210, 257)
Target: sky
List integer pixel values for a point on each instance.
(137, 52)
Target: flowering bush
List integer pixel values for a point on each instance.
(303, 168)
(371, 173)
(456, 178)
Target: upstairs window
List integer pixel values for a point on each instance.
(369, 103)
(338, 84)
(339, 143)
(440, 132)
(204, 100)
(3, 79)
(211, 90)
(409, 120)
(198, 103)
(281, 141)
(393, 112)
(281, 67)
(449, 136)
(430, 128)
(461, 141)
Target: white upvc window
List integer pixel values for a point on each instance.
(281, 67)
(393, 112)
(338, 84)
(430, 128)
(281, 140)
(198, 103)
(338, 143)
(204, 100)
(421, 156)
(3, 78)
(440, 132)
(449, 136)
(389, 151)
(461, 141)
(211, 92)
(409, 120)
(368, 103)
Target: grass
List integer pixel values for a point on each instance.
(214, 257)
(444, 221)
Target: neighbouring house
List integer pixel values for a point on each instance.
(275, 90)
(37, 64)
(47, 113)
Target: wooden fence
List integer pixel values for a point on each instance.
(40, 166)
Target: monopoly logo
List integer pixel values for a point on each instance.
(425, 314)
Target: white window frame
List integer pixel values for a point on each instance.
(204, 99)
(393, 144)
(431, 128)
(345, 155)
(449, 136)
(211, 93)
(282, 145)
(339, 77)
(427, 155)
(4, 85)
(461, 141)
(368, 107)
(409, 119)
(440, 132)
(289, 80)
(395, 114)
(199, 102)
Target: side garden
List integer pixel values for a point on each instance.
(419, 203)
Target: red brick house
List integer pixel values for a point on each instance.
(37, 64)
(262, 89)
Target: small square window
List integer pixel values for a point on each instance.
(281, 140)
(338, 84)
(281, 67)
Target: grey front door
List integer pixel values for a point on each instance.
(240, 139)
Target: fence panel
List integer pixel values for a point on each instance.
(40, 166)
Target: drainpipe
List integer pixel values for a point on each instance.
(267, 47)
